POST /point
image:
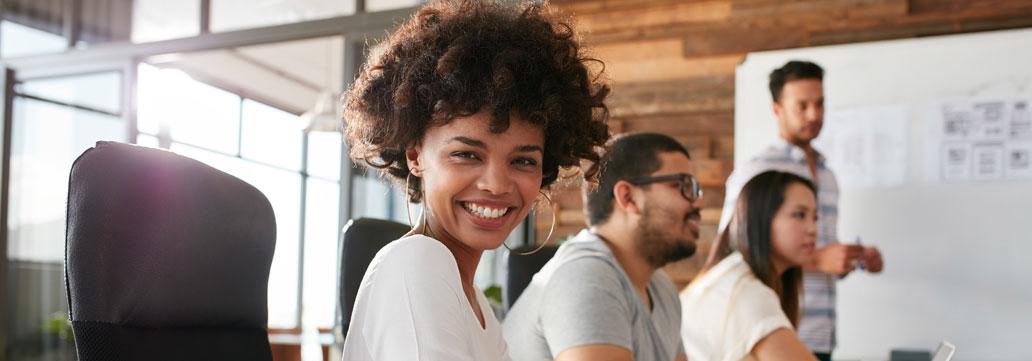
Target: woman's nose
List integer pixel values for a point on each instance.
(495, 180)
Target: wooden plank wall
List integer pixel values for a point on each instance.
(672, 65)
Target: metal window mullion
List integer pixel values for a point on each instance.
(352, 59)
(322, 178)
(68, 105)
(129, 101)
(7, 113)
(301, 231)
(219, 152)
(71, 21)
(240, 126)
(70, 69)
(205, 15)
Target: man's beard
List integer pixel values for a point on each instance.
(655, 241)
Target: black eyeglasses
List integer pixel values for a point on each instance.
(690, 187)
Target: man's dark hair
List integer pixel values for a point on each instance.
(793, 70)
(625, 158)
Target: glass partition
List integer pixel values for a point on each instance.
(55, 120)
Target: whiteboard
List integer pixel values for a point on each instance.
(958, 253)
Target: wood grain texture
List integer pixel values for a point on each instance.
(671, 65)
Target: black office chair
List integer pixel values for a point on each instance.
(360, 240)
(166, 258)
(522, 269)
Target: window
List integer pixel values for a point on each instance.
(271, 135)
(246, 126)
(381, 5)
(195, 113)
(268, 148)
(80, 90)
(55, 120)
(20, 40)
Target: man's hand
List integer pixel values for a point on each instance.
(871, 259)
(838, 259)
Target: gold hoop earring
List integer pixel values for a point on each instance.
(550, 230)
(424, 214)
(408, 200)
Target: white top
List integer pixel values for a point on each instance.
(726, 311)
(411, 306)
(817, 323)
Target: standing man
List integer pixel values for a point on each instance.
(798, 92)
(603, 296)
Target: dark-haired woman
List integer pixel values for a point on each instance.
(745, 304)
(473, 107)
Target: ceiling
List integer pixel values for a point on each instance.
(288, 75)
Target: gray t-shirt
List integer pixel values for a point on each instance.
(583, 297)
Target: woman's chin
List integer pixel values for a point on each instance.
(489, 240)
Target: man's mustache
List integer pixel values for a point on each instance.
(696, 212)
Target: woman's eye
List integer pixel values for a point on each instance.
(465, 155)
(799, 215)
(525, 162)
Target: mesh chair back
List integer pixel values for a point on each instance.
(166, 258)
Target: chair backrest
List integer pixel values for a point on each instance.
(360, 241)
(522, 269)
(166, 258)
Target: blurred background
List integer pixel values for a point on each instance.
(251, 88)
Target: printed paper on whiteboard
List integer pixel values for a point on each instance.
(866, 146)
(978, 140)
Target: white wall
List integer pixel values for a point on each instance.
(957, 253)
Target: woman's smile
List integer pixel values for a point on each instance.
(487, 214)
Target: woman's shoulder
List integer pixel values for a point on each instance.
(753, 291)
(743, 287)
(732, 284)
(753, 301)
(416, 249)
(722, 278)
(414, 258)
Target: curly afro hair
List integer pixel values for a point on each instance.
(455, 58)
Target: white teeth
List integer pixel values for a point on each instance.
(485, 212)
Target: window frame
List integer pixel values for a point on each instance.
(126, 57)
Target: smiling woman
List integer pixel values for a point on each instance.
(473, 107)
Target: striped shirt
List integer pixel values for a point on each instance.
(817, 326)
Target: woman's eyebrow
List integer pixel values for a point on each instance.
(529, 148)
(480, 144)
(468, 141)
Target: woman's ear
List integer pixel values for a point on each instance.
(412, 159)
